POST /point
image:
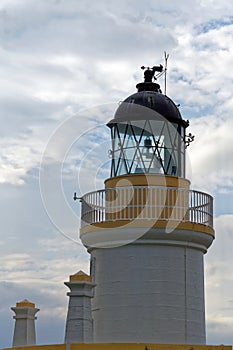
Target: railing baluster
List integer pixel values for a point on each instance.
(142, 202)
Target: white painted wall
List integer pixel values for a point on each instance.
(151, 290)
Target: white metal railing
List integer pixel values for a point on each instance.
(147, 202)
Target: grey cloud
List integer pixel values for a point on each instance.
(51, 301)
(219, 332)
(19, 113)
(56, 28)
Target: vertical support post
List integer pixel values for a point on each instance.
(24, 331)
(79, 317)
(166, 56)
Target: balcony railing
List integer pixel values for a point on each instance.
(147, 203)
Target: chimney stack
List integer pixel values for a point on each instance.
(24, 332)
(79, 318)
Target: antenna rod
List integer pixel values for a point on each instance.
(166, 56)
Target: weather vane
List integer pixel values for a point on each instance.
(149, 73)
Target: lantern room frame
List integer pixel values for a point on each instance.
(148, 146)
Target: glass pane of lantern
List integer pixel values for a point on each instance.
(170, 149)
(129, 141)
(148, 146)
(122, 167)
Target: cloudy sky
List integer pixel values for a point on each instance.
(65, 65)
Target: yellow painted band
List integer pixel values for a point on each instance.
(190, 226)
(41, 347)
(147, 180)
(124, 346)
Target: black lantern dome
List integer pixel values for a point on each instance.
(153, 100)
(149, 95)
(148, 132)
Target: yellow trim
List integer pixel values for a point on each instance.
(24, 303)
(142, 346)
(147, 180)
(40, 347)
(190, 226)
(124, 346)
(80, 276)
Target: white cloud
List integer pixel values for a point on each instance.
(211, 154)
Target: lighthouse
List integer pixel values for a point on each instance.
(147, 231)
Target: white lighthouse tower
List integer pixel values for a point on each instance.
(147, 231)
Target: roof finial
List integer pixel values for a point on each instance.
(149, 73)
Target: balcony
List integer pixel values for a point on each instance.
(147, 203)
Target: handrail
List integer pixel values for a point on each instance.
(146, 203)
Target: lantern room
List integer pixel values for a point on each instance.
(148, 133)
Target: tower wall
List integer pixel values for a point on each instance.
(151, 290)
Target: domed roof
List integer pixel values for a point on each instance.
(156, 101)
(157, 106)
(148, 103)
